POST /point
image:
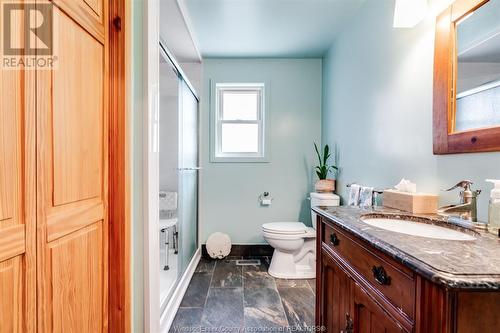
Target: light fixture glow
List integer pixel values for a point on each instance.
(408, 13)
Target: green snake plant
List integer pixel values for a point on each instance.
(323, 168)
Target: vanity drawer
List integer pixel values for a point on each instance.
(393, 281)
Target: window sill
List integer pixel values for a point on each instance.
(215, 159)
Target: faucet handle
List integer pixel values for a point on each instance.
(464, 184)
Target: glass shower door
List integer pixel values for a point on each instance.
(178, 197)
(188, 176)
(168, 178)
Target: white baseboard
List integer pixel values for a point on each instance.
(168, 315)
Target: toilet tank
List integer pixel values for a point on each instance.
(322, 199)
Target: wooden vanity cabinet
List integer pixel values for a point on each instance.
(362, 290)
(345, 306)
(369, 316)
(335, 298)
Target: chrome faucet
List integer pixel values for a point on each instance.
(467, 208)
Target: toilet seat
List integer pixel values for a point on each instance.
(307, 235)
(285, 228)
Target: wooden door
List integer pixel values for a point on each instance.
(335, 296)
(17, 205)
(369, 317)
(72, 172)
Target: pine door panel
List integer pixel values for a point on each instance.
(17, 250)
(96, 6)
(12, 241)
(77, 280)
(72, 175)
(12, 301)
(11, 110)
(89, 14)
(77, 115)
(53, 181)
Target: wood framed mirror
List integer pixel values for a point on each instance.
(467, 78)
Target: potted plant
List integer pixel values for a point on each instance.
(323, 169)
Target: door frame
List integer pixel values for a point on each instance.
(151, 161)
(123, 137)
(119, 259)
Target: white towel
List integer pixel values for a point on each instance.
(366, 196)
(354, 195)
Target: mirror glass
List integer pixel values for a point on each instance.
(478, 68)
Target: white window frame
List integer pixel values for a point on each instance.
(217, 154)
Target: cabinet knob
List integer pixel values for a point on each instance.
(334, 239)
(381, 276)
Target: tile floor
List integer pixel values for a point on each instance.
(224, 297)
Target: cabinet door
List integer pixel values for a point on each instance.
(335, 298)
(17, 205)
(72, 175)
(369, 317)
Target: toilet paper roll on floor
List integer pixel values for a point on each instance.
(218, 245)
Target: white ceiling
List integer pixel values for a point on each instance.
(267, 28)
(174, 31)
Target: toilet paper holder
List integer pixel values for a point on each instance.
(265, 199)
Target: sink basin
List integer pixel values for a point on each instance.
(417, 229)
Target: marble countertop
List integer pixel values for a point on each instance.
(473, 264)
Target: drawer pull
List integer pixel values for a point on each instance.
(381, 276)
(334, 239)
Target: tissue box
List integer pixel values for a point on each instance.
(417, 203)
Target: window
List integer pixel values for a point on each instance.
(239, 134)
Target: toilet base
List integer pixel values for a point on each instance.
(304, 272)
(284, 266)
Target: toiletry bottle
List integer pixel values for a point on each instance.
(494, 208)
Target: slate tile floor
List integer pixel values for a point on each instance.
(225, 297)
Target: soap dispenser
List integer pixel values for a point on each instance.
(494, 208)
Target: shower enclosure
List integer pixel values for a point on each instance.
(178, 175)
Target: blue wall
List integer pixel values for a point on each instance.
(377, 107)
(229, 191)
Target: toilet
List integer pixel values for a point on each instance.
(294, 243)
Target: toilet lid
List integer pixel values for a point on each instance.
(324, 196)
(289, 228)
